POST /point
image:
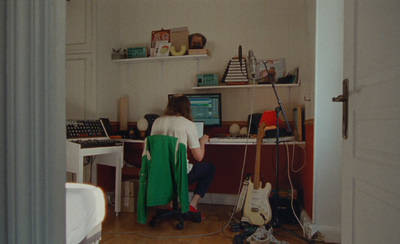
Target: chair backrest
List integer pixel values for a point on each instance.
(163, 175)
(162, 154)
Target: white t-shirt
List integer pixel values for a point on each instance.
(180, 127)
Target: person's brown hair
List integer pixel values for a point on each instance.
(179, 105)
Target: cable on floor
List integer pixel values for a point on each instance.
(290, 182)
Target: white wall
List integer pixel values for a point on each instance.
(328, 131)
(272, 29)
(303, 41)
(108, 73)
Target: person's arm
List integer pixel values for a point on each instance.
(198, 153)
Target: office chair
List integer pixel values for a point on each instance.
(163, 178)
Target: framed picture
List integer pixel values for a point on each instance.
(162, 49)
(160, 35)
(298, 123)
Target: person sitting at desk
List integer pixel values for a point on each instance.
(177, 122)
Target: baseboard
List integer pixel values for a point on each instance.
(332, 234)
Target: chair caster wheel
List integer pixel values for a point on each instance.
(152, 223)
(179, 226)
(197, 218)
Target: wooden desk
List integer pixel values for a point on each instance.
(229, 159)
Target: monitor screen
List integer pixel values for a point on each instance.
(205, 108)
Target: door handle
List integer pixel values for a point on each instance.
(344, 98)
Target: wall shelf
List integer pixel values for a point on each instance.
(162, 59)
(242, 86)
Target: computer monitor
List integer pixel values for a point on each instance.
(205, 108)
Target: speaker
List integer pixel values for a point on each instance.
(285, 211)
(255, 121)
(150, 119)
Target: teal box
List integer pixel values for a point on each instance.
(207, 79)
(137, 52)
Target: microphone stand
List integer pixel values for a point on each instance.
(275, 220)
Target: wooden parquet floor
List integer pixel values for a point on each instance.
(125, 229)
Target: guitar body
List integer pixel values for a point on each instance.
(256, 207)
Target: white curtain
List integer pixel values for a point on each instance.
(32, 121)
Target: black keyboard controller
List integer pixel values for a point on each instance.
(98, 143)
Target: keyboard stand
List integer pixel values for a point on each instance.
(111, 156)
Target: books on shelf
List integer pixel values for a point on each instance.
(234, 73)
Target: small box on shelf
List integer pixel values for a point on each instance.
(207, 79)
(137, 52)
(198, 51)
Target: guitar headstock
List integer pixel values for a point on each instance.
(261, 132)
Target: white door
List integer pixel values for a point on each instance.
(80, 87)
(371, 164)
(81, 95)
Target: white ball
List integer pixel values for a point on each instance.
(142, 124)
(234, 129)
(243, 131)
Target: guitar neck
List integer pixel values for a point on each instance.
(260, 135)
(257, 167)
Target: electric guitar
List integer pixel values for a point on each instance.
(256, 207)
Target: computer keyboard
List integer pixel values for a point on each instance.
(244, 140)
(98, 143)
(232, 140)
